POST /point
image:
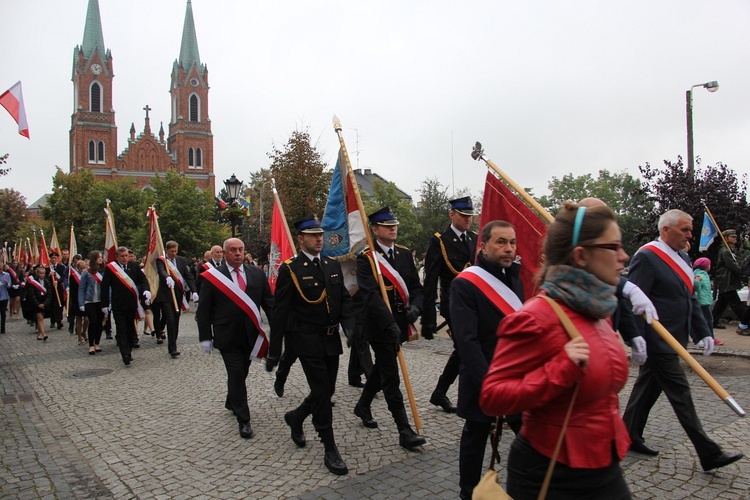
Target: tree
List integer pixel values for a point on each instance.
(432, 212)
(4, 160)
(387, 194)
(12, 214)
(259, 223)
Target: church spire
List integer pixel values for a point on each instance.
(92, 32)
(189, 49)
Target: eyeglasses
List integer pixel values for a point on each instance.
(607, 246)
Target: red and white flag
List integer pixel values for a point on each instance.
(43, 252)
(155, 250)
(12, 100)
(54, 245)
(110, 238)
(282, 247)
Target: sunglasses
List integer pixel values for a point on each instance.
(616, 247)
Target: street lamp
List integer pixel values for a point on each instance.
(233, 186)
(711, 87)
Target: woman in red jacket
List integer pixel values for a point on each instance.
(536, 365)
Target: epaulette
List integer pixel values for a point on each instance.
(290, 260)
(438, 235)
(402, 246)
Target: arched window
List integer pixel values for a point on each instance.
(92, 152)
(100, 153)
(194, 108)
(191, 158)
(95, 98)
(199, 158)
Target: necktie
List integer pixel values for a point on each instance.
(240, 279)
(466, 242)
(316, 263)
(390, 255)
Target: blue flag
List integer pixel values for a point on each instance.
(708, 233)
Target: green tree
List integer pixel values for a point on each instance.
(12, 214)
(432, 213)
(260, 192)
(387, 194)
(3, 161)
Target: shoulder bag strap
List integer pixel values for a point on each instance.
(494, 442)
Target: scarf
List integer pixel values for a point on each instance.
(581, 291)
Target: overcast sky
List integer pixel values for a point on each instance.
(549, 87)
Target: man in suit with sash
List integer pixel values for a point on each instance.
(173, 276)
(662, 270)
(229, 319)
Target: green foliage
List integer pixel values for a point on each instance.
(387, 194)
(432, 212)
(12, 213)
(3, 161)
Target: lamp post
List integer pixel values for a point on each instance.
(233, 186)
(712, 86)
(260, 189)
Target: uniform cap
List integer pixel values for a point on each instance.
(463, 206)
(384, 217)
(308, 224)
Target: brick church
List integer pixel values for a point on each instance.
(188, 149)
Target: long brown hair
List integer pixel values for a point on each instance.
(93, 261)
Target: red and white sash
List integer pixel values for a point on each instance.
(37, 285)
(126, 280)
(229, 288)
(13, 275)
(672, 259)
(495, 290)
(97, 276)
(178, 279)
(398, 283)
(76, 275)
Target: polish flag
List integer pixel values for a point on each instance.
(12, 100)
(110, 239)
(282, 245)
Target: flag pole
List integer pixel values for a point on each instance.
(158, 232)
(368, 235)
(718, 230)
(70, 267)
(52, 271)
(478, 154)
(281, 212)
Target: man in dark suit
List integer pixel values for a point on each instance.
(173, 277)
(310, 303)
(477, 315)
(662, 270)
(215, 260)
(386, 325)
(226, 321)
(123, 284)
(58, 275)
(447, 255)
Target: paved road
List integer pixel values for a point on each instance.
(79, 426)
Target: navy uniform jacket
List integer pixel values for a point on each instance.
(678, 309)
(376, 314)
(164, 295)
(475, 323)
(221, 320)
(119, 296)
(446, 256)
(302, 312)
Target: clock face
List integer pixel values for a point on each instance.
(96, 69)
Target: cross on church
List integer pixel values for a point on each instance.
(147, 109)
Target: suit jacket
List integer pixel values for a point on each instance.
(221, 320)
(475, 322)
(296, 315)
(679, 310)
(442, 266)
(199, 270)
(120, 297)
(377, 316)
(164, 295)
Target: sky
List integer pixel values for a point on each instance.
(548, 87)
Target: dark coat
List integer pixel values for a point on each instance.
(728, 274)
(221, 320)
(299, 317)
(119, 296)
(623, 320)
(442, 266)
(35, 299)
(164, 295)
(475, 323)
(377, 316)
(678, 309)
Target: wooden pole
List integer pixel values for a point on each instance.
(370, 243)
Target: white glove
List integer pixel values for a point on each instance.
(638, 350)
(207, 346)
(708, 346)
(195, 297)
(105, 310)
(14, 287)
(147, 295)
(170, 282)
(81, 308)
(642, 304)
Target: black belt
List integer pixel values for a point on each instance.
(326, 330)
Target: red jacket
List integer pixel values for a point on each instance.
(531, 373)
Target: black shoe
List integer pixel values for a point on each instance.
(334, 463)
(442, 401)
(278, 387)
(136, 346)
(60, 326)
(720, 461)
(70, 328)
(720, 327)
(246, 432)
(109, 337)
(159, 341)
(642, 448)
(409, 439)
(356, 383)
(298, 435)
(127, 359)
(365, 414)
(174, 354)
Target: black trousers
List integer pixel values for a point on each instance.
(471, 455)
(125, 334)
(237, 362)
(663, 372)
(527, 467)
(450, 372)
(96, 322)
(731, 299)
(56, 314)
(360, 360)
(321, 372)
(384, 377)
(171, 319)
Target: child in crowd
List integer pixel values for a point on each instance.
(701, 266)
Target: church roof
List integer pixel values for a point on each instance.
(189, 49)
(92, 31)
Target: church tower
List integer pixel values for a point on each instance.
(93, 132)
(190, 141)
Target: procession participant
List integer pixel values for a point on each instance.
(174, 285)
(39, 297)
(447, 255)
(123, 284)
(229, 319)
(537, 369)
(215, 259)
(309, 304)
(80, 321)
(481, 296)
(727, 280)
(5, 284)
(387, 327)
(17, 276)
(90, 299)
(71, 308)
(58, 275)
(662, 271)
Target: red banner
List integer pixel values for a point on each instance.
(281, 248)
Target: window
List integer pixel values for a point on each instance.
(95, 98)
(191, 158)
(92, 152)
(194, 108)
(100, 153)
(199, 158)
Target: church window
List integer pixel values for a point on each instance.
(194, 108)
(96, 98)
(92, 152)
(191, 158)
(199, 158)
(100, 152)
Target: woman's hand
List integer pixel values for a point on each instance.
(578, 351)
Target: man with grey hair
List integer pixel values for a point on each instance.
(662, 270)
